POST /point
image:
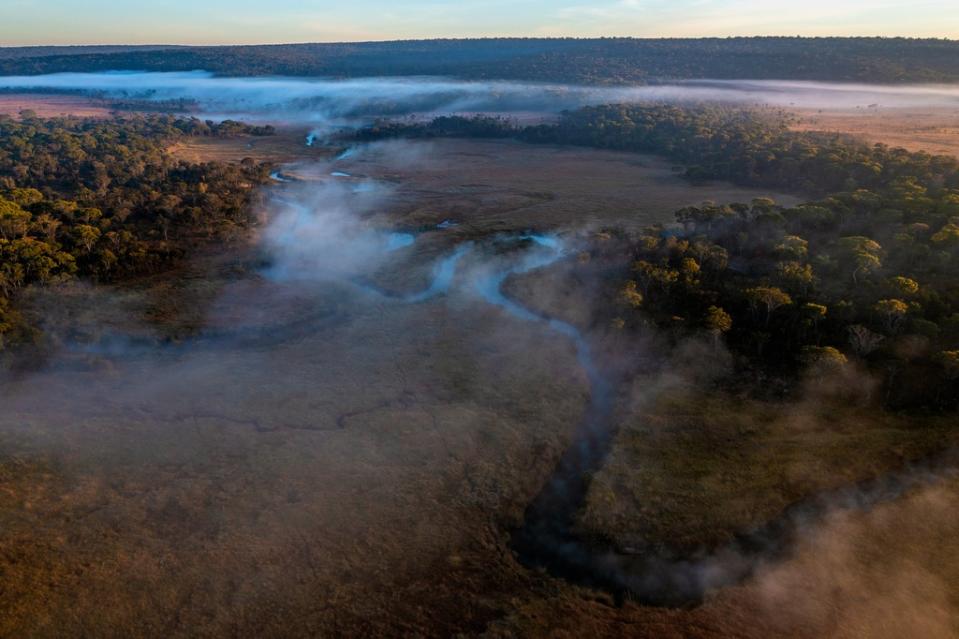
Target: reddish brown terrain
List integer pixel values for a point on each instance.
(934, 130)
(237, 456)
(51, 105)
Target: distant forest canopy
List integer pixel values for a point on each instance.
(43, 51)
(569, 60)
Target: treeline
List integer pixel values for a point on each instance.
(589, 61)
(104, 200)
(748, 147)
(860, 275)
(869, 271)
(222, 129)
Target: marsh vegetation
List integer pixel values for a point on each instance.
(656, 369)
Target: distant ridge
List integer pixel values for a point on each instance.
(570, 60)
(43, 51)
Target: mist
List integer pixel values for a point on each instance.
(362, 391)
(331, 103)
(318, 232)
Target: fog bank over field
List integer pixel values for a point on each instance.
(328, 100)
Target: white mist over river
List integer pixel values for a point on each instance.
(328, 101)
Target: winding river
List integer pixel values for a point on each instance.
(548, 538)
(655, 576)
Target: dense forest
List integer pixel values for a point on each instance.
(589, 61)
(104, 200)
(868, 270)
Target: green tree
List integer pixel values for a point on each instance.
(768, 298)
(717, 322)
(14, 221)
(821, 359)
(904, 285)
(892, 313)
(631, 296)
(948, 235)
(860, 254)
(796, 277)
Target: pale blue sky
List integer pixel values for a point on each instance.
(247, 21)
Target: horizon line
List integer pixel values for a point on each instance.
(481, 38)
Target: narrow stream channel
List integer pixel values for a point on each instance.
(548, 538)
(654, 576)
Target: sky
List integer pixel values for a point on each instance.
(27, 22)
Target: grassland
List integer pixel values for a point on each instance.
(288, 145)
(52, 105)
(886, 573)
(693, 468)
(934, 130)
(212, 453)
(502, 185)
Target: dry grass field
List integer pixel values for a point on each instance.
(51, 105)
(883, 574)
(503, 185)
(288, 145)
(933, 130)
(213, 453)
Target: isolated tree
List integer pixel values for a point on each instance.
(649, 274)
(717, 322)
(948, 235)
(85, 236)
(860, 254)
(821, 359)
(768, 298)
(796, 277)
(717, 258)
(690, 270)
(14, 221)
(45, 226)
(630, 295)
(25, 196)
(904, 285)
(892, 313)
(792, 247)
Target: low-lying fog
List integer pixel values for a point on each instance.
(318, 100)
(328, 432)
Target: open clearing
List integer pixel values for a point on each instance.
(503, 185)
(933, 130)
(286, 146)
(511, 185)
(51, 105)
